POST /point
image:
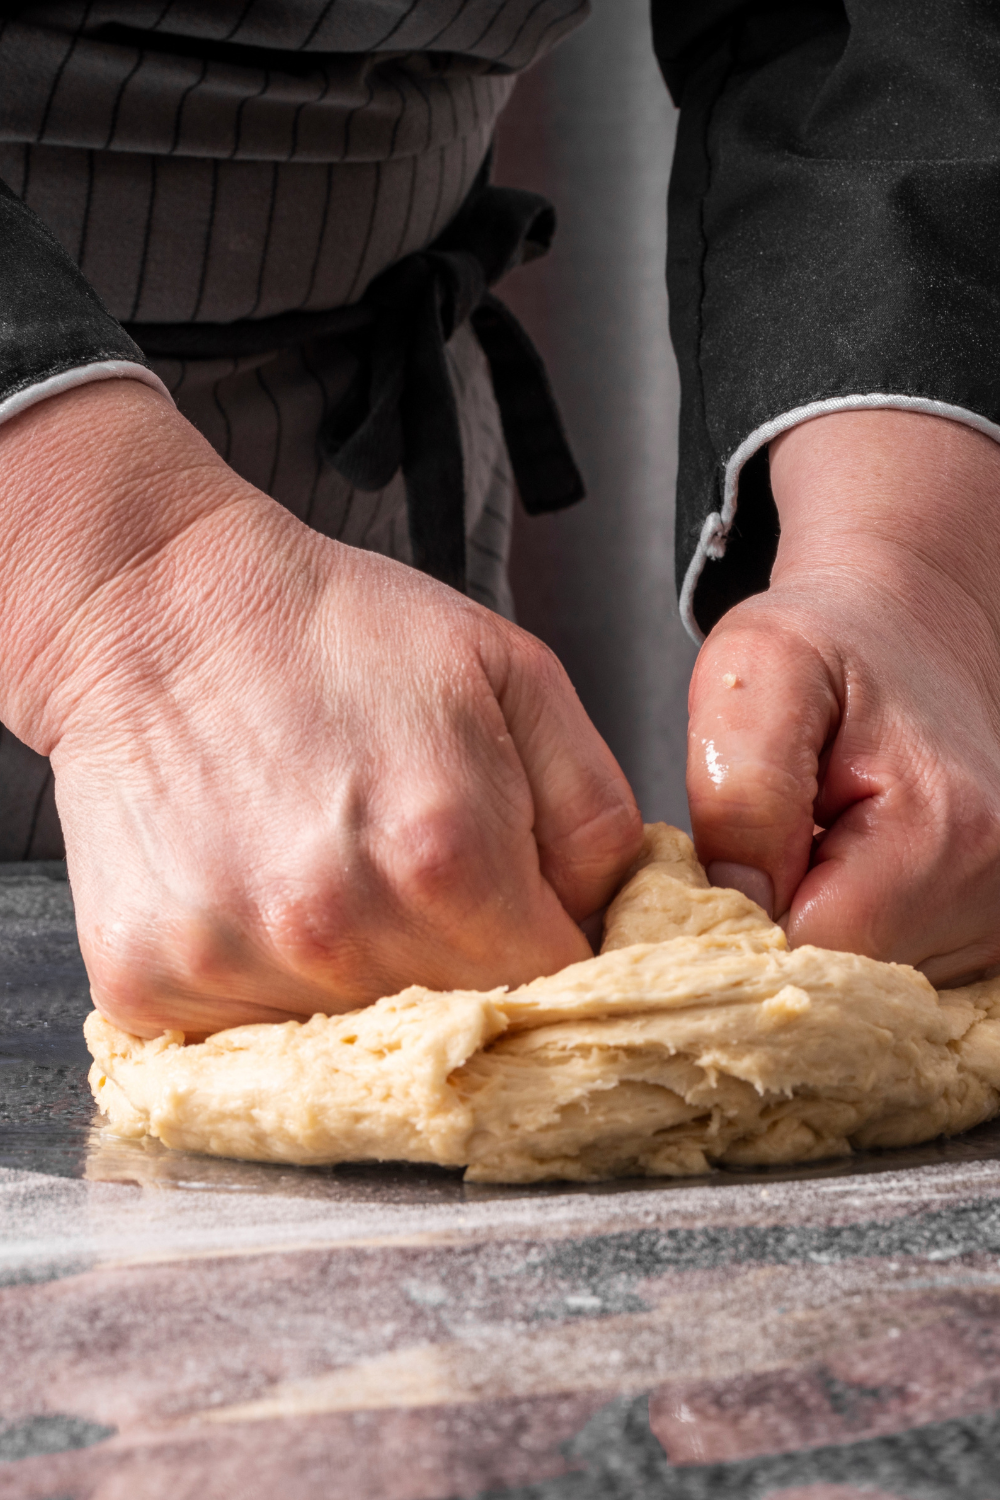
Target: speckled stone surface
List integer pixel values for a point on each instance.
(174, 1326)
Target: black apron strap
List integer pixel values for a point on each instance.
(400, 410)
(540, 455)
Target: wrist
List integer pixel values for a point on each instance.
(94, 485)
(890, 497)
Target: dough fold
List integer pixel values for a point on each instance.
(696, 1037)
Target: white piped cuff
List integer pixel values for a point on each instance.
(715, 532)
(68, 380)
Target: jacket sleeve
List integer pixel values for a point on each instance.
(55, 332)
(834, 243)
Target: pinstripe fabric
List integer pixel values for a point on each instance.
(213, 162)
(240, 159)
(262, 415)
(178, 240)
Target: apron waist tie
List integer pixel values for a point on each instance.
(400, 411)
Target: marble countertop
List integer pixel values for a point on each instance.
(175, 1326)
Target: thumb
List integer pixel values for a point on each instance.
(763, 704)
(906, 871)
(587, 825)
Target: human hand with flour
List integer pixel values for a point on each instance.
(861, 693)
(292, 776)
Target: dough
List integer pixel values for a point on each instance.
(695, 1037)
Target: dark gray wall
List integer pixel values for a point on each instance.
(592, 127)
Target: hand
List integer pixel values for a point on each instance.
(292, 776)
(862, 693)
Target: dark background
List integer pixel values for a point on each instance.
(592, 127)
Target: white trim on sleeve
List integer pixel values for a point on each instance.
(715, 532)
(68, 380)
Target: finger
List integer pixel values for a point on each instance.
(151, 1012)
(462, 901)
(762, 705)
(198, 975)
(586, 822)
(892, 879)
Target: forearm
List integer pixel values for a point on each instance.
(79, 448)
(833, 213)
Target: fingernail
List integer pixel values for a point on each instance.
(753, 883)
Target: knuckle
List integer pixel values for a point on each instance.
(428, 861)
(529, 659)
(123, 984)
(540, 662)
(196, 953)
(117, 962)
(756, 796)
(205, 952)
(312, 932)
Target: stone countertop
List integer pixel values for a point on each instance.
(176, 1326)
